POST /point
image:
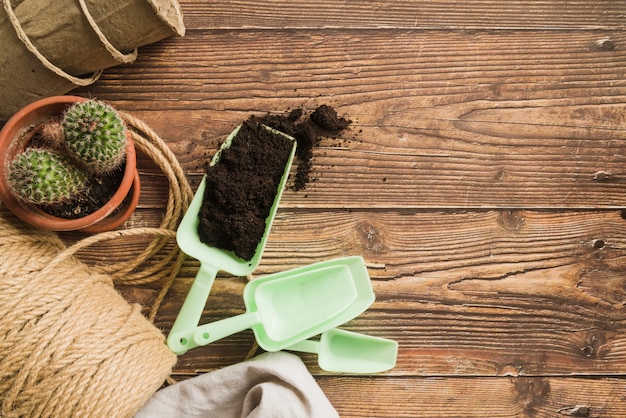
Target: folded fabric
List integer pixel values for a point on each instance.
(270, 385)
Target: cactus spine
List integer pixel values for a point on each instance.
(52, 134)
(95, 134)
(44, 177)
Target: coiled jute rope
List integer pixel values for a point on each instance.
(70, 345)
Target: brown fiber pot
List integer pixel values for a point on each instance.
(83, 36)
(25, 74)
(15, 135)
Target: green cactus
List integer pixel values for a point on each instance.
(44, 177)
(95, 134)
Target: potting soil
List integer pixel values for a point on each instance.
(241, 187)
(307, 130)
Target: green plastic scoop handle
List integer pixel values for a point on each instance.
(350, 352)
(289, 309)
(212, 259)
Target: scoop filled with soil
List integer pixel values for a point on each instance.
(241, 188)
(228, 221)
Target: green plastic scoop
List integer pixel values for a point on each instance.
(303, 302)
(213, 259)
(350, 352)
(288, 309)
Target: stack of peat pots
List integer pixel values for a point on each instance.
(49, 47)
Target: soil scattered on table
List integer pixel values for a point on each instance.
(241, 188)
(307, 130)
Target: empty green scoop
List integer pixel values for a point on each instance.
(356, 269)
(286, 310)
(350, 352)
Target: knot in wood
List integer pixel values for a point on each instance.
(592, 345)
(370, 237)
(532, 393)
(602, 176)
(576, 411)
(605, 44)
(587, 351)
(511, 220)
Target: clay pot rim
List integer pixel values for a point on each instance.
(15, 128)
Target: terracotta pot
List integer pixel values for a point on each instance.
(15, 135)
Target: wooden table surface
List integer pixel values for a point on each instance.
(483, 180)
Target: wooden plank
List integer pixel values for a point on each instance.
(455, 246)
(471, 294)
(385, 396)
(456, 333)
(430, 14)
(488, 245)
(441, 120)
(485, 397)
(227, 71)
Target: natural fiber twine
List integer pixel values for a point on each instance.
(70, 345)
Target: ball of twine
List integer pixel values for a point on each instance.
(70, 345)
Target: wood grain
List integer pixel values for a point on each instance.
(482, 180)
(429, 14)
(489, 245)
(486, 294)
(536, 397)
(453, 120)
(474, 337)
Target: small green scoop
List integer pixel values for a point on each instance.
(213, 259)
(350, 352)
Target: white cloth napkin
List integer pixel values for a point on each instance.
(271, 385)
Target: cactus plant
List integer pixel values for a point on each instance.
(95, 134)
(44, 177)
(88, 202)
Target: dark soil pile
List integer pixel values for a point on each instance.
(241, 188)
(307, 131)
